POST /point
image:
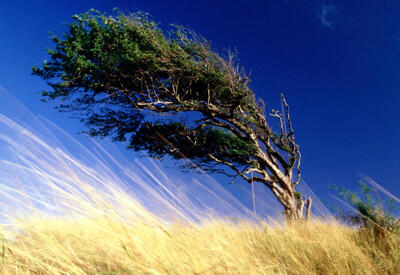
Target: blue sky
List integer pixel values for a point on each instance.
(337, 62)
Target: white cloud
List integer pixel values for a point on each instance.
(326, 14)
(325, 11)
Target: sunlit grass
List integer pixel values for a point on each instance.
(101, 242)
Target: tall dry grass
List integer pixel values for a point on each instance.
(101, 242)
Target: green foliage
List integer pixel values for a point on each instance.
(103, 54)
(223, 144)
(371, 211)
(113, 72)
(298, 196)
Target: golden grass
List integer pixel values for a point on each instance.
(109, 232)
(99, 245)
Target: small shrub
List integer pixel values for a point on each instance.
(371, 213)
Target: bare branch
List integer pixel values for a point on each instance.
(298, 165)
(308, 208)
(267, 177)
(233, 167)
(276, 113)
(287, 116)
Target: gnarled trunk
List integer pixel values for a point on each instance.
(293, 204)
(295, 212)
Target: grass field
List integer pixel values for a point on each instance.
(102, 242)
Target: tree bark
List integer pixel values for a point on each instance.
(308, 209)
(293, 207)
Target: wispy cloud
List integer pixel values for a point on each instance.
(326, 14)
(325, 11)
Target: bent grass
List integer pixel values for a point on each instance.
(101, 242)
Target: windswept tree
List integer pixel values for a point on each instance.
(118, 73)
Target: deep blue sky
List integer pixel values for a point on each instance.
(337, 62)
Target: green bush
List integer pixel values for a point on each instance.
(371, 212)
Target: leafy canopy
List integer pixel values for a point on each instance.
(117, 73)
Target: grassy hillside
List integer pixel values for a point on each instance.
(103, 243)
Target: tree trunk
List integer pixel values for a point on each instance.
(292, 216)
(294, 207)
